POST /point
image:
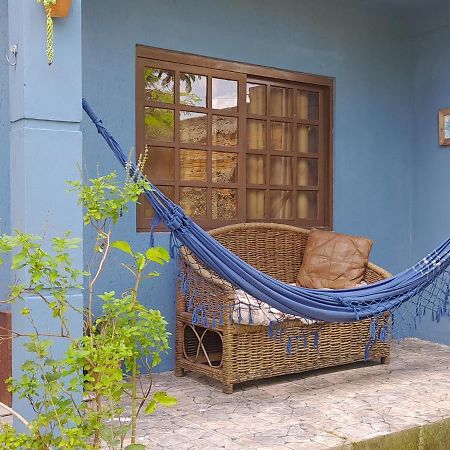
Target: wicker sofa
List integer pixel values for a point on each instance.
(233, 353)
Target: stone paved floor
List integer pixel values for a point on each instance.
(324, 409)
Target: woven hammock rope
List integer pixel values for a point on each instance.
(423, 288)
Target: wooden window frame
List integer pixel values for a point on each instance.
(243, 72)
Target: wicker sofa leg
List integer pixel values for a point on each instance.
(227, 388)
(385, 359)
(179, 372)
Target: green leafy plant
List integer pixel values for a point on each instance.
(49, 24)
(105, 364)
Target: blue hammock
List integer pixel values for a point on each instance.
(343, 305)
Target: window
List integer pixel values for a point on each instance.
(232, 142)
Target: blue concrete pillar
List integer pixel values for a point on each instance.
(45, 147)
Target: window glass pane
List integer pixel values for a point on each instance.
(224, 203)
(159, 124)
(281, 101)
(307, 139)
(256, 172)
(256, 98)
(224, 167)
(159, 85)
(307, 172)
(224, 94)
(193, 201)
(256, 204)
(307, 205)
(281, 205)
(307, 105)
(193, 165)
(192, 89)
(169, 191)
(256, 134)
(280, 170)
(193, 127)
(281, 136)
(160, 163)
(224, 131)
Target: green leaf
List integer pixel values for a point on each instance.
(123, 246)
(164, 399)
(151, 407)
(52, 376)
(153, 274)
(140, 261)
(135, 447)
(158, 255)
(17, 261)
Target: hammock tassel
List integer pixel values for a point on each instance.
(220, 315)
(305, 340)
(289, 346)
(270, 329)
(316, 340)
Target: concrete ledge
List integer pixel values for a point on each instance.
(435, 436)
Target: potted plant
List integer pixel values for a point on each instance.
(61, 8)
(54, 8)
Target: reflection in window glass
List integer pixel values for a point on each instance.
(160, 164)
(281, 101)
(281, 205)
(256, 98)
(193, 201)
(280, 170)
(159, 124)
(159, 85)
(307, 105)
(307, 139)
(307, 172)
(193, 127)
(192, 89)
(168, 191)
(224, 94)
(256, 204)
(256, 173)
(281, 136)
(256, 134)
(307, 205)
(224, 203)
(224, 167)
(193, 165)
(224, 131)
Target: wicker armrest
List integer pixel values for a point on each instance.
(375, 273)
(219, 290)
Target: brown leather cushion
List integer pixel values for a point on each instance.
(333, 260)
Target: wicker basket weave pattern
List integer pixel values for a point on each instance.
(233, 353)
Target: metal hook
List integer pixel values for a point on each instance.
(13, 50)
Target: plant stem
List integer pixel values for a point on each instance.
(134, 406)
(98, 400)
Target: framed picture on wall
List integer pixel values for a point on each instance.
(444, 126)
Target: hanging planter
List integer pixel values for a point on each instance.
(54, 8)
(61, 8)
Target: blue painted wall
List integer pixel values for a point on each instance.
(4, 142)
(366, 50)
(431, 163)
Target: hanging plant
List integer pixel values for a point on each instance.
(53, 8)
